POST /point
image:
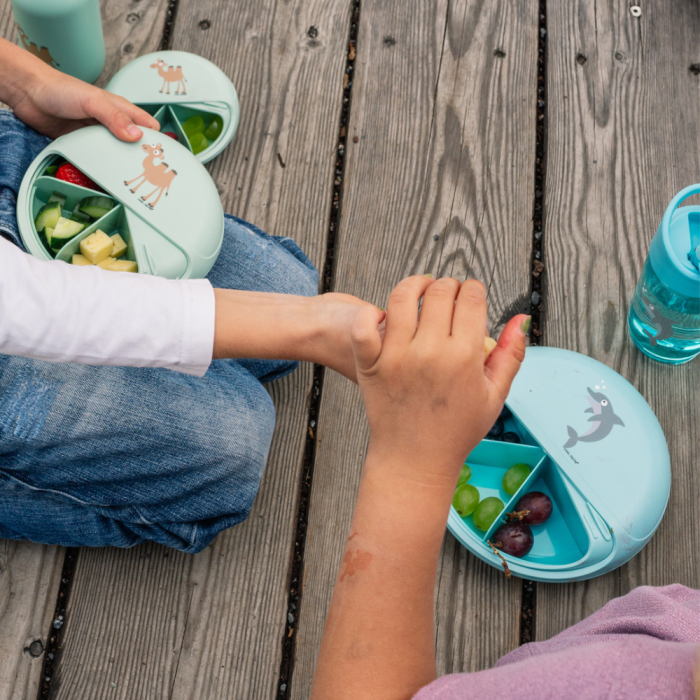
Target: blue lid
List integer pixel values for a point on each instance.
(595, 447)
(674, 249)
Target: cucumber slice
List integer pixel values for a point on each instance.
(64, 231)
(52, 169)
(58, 197)
(48, 232)
(48, 215)
(96, 207)
(80, 216)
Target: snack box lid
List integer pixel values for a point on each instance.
(594, 446)
(600, 432)
(174, 219)
(184, 84)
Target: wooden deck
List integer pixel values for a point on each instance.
(415, 137)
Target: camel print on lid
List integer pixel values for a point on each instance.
(155, 174)
(170, 74)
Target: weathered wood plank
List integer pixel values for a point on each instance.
(441, 143)
(30, 573)
(623, 139)
(211, 625)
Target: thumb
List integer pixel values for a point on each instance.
(505, 360)
(366, 337)
(100, 107)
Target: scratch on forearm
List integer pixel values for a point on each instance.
(354, 560)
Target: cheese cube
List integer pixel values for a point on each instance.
(119, 246)
(118, 265)
(78, 259)
(104, 264)
(489, 345)
(96, 247)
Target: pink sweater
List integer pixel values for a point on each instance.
(643, 646)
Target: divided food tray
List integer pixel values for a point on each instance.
(174, 86)
(167, 208)
(608, 481)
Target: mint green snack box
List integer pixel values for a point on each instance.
(166, 206)
(174, 86)
(65, 34)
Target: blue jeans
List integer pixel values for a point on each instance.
(94, 456)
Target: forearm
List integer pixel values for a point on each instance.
(18, 70)
(378, 642)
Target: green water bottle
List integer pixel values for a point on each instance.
(66, 34)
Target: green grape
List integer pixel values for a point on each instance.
(199, 143)
(193, 125)
(515, 477)
(487, 511)
(214, 129)
(464, 475)
(465, 500)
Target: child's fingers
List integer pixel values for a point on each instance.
(402, 308)
(139, 116)
(366, 336)
(469, 320)
(505, 360)
(118, 122)
(438, 308)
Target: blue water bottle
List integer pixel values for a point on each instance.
(664, 317)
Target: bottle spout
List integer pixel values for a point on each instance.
(694, 227)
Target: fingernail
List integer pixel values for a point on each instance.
(428, 275)
(134, 131)
(525, 327)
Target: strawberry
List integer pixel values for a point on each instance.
(172, 134)
(70, 173)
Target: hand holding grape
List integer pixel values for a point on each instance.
(429, 395)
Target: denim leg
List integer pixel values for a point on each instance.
(251, 260)
(115, 456)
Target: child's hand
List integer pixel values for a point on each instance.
(54, 103)
(429, 396)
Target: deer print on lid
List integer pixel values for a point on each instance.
(42, 53)
(170, 75)
(155, 174)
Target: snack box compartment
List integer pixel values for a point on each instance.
(174, 87)
(166, 206)
(595, 447)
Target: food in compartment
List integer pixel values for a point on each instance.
(465, 500)
(515, 477)
(201, 134)
(534, 508)
(487, 511)
(48, 215)
(514, 538)
(171, 134)
(118, 265)
(64, 230)
(464, 475)
(511, 437)
(496, 431)
(69, 173)
(102, 250)
(96, 207)
(79, 216)
(79, 259)
(97, 246)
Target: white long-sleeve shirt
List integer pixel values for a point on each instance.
(50, 310)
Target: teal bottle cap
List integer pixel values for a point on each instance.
(675, 244)
(176, 86)
(172, 223)
(595, 448)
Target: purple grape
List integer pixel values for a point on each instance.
(514, 538)
(510, 437)
(539, 504)
(496, 430)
